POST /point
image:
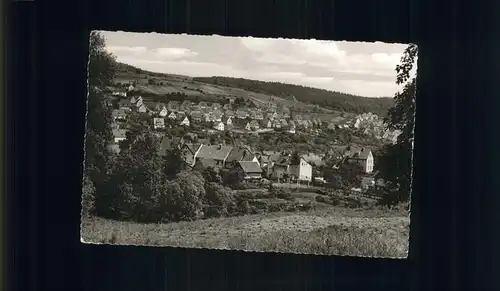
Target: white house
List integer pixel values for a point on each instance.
(130, 88)
(292, 129)
(119, 135)
(172, 115)
(363, 156)
(133, 100)
(229, 121)
(158, 123)
(142, 108)
(185, 121)
(219, 126)
(163, 112)
(303, 171)
(248, 126)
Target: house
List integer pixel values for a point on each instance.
(163, 112)
(302, 172)
(314, 159)
(196, 116)
(159, 106)
(189, 152)
(259, 116)
(133, 100)
(216, 106)
(229, 121)
(119, 93)
(219, 125)
(158, 123)
(130, 88)
(266, 123)
(248, 127)
(118, 114)
(283, 122)
(213, 155)
(229, 113)
(142, 108)
(186, 106)
(172, 115)
(362, 156)
(123, 103)
(240, 154)
(292, 129)
(119, 135)
(173, 106)
(281, 167)
(254, 124)
(185, 121)
(252, 170)
(276, 124)
(203, 104)
(209, 117)
(242, 114)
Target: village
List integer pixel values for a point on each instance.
(210, 119)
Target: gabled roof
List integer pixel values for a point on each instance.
(240, 153)
(215, 152)
(250, 167)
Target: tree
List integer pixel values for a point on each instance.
(185, 196)
(295, 159)
(394, 165)
(350, 173)
(101, 71)
(233, 177)
(219, 199)
(174, 162)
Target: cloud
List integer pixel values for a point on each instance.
(174, 52)
(367, 69)
(126, 49)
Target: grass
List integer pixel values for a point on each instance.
(326, 231)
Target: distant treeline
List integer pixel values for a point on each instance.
(329, 99)
(178, 96)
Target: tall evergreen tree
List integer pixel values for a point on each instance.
(395, 161)
(101, 71)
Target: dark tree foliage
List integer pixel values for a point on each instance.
(174, 163)
(295, 159)
(394, 163)
(98, 160)
(350, 173)
(101, 71)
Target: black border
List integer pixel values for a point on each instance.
(453, 184)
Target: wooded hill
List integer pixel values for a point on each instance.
(328, 99)
(337, 101)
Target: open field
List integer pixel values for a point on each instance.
(329, 230)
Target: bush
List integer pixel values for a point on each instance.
(243, 207)
(183, 200)
(282, 194)
(277, 207)
(219, 198)
(321, 199)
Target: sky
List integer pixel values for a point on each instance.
(359, 68)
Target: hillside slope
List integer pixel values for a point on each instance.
(329, 99)
(295, 96)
